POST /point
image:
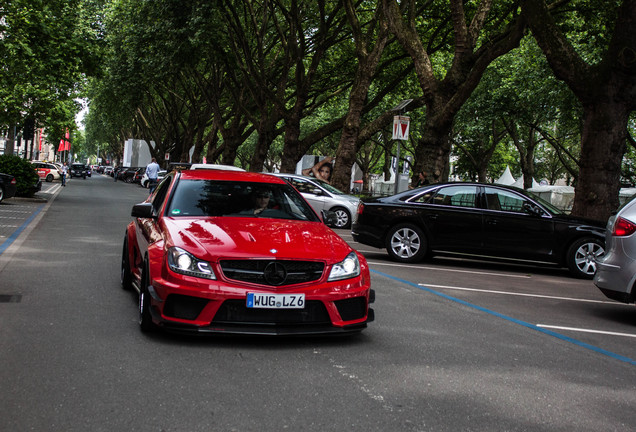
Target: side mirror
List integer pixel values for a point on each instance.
(142, 210)
(316, 191)
(329, 218)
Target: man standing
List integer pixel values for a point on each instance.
(64, 173)
(152, 171)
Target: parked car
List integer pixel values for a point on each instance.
(47, 171)
(205, 259)
(127, 174)
(78, 170)
(108, 170)
(485, 220)
(322, 196)
(139, 173)
(616, 271)
(8, 186)
(144, 180)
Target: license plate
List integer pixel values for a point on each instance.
(275, 301)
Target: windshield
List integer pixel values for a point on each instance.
(550, 207)
(323, 184)
(238, 199)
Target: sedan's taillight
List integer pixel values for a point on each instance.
(623, 228)
(360, 208)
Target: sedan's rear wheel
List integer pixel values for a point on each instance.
(582, 256)
(343, 219)
(1, 194)
(406, 243)
(145, 318)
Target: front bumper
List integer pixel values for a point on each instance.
(330, 309)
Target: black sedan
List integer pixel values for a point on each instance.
(8, 186)
(479, 219)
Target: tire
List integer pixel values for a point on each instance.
(406, 243)
(343, 218)
(582, 255)
(145, 318)
(1, 194)
(49, 178)
(126, 275)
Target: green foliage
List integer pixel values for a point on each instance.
(22, 170)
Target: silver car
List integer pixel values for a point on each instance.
(322, 196)
(616, 271)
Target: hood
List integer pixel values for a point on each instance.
(576, 220)
(242, 237)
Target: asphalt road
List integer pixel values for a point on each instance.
(456, 346)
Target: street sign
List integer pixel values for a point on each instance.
(401, 127)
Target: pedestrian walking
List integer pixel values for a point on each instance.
(152, 171)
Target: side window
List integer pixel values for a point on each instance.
(456, 196)
(423, 198)
(504, 200)
(159, 195)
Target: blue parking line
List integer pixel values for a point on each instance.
(513, 320)
(17, 232)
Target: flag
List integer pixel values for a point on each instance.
(65, 143)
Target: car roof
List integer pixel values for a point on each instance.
(228, 175)
(215, 167)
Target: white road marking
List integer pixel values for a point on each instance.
(581, 330)
(516, 294)
(454, 270)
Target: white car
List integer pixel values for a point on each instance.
(145, 180)
(322, 196)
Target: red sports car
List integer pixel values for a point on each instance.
(236, 252)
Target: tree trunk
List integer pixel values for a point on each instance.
(433, 149)
(602, 148)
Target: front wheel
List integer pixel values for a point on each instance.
(145, 318)
(582, 255)
(49, 178)
(406, 243)
(343, 219)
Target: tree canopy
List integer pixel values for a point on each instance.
(546, 88)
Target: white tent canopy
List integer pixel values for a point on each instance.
(519, 183)
(559, 196)
(506, 178)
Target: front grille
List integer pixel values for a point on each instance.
(236, 312)
(184, 307)
(351, 309)
(272, 272)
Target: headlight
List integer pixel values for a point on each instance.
(185, 263)
(348, 268)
